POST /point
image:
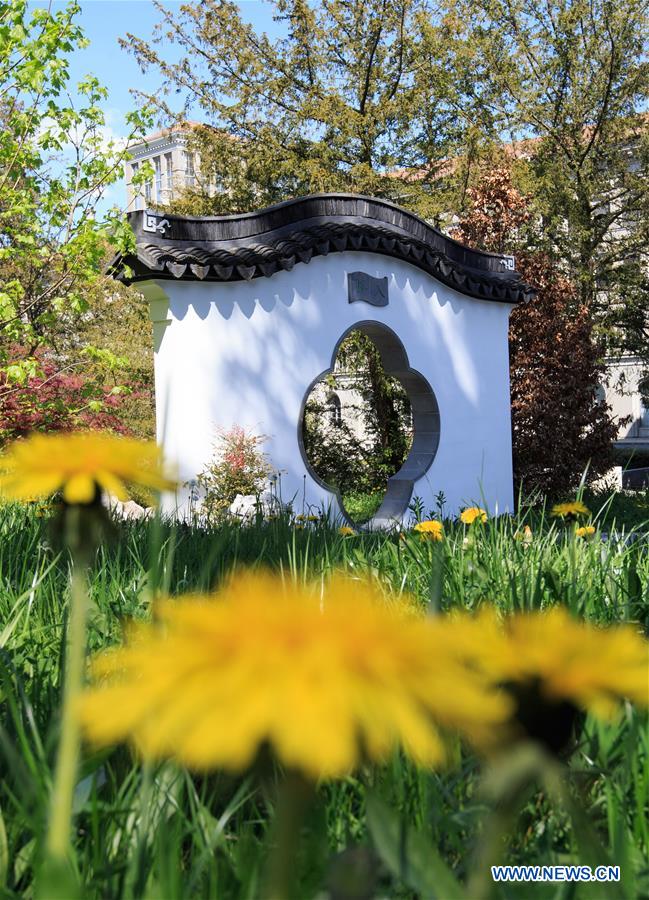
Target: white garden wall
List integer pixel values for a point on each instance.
(247, 352)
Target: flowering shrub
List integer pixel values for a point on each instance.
(238, 467)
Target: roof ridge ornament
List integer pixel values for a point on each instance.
(151, 224)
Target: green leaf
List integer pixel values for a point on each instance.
(57, 881)
(409, 855)
(4, 852)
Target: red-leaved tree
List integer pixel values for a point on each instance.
(56, 401)
(559, 427)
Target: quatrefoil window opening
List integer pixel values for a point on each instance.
(421, 420)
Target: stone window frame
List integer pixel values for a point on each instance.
(335, 410)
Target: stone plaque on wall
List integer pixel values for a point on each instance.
(361, 286)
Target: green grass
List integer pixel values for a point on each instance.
(361, 507)
(394, 831)
(625, 509)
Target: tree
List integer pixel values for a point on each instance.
(569, 79)
(335, 104)
(55, 163)
(559, 427)
(336, 455)
(56, 401)
(117, 320)
(386, 408)
(405, 100)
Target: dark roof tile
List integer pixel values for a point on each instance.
(258, 244)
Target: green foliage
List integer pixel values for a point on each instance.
(56, 161)
(387, 408)
(238, 467)
(340, 457)
(361, 507)
(117, 320)
(336, 455)
(161, 831)
(337, 102)
(569, 81)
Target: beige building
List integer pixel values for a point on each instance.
(174, 167)
(627, 393)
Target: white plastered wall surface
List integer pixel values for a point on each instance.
(247, 352)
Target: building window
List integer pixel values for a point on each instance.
(190, 174)
(137, 191)
(157, 163)
(169, 173)
(148, 191)
(335, 411)
(643, 424)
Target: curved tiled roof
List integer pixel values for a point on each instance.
(261, 243)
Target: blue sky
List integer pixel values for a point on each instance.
(104, 21)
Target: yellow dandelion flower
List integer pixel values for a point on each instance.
(326, 679)
(586, 531)
(525, 536)
(554, 666)
(346, 531)
(300, 518)
(313, 518)
(299, 527)
(573, 510)
(473, 514)
(430, 530)
(80, 464)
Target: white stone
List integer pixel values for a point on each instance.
(248, 506)
(128, 510)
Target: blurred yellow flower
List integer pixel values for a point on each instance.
(313, 518)
(525, 535)
(586, 531)
(430, 530)
(300, 518)
(346, 531)
(573, 510)
(325, 678)
(553, 666)
(80, 464)
(473, 514)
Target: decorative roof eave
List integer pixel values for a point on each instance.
(259, 244)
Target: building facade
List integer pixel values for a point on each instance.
(626, 391)
(175, 168)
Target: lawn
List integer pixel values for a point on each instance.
(393, 830)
